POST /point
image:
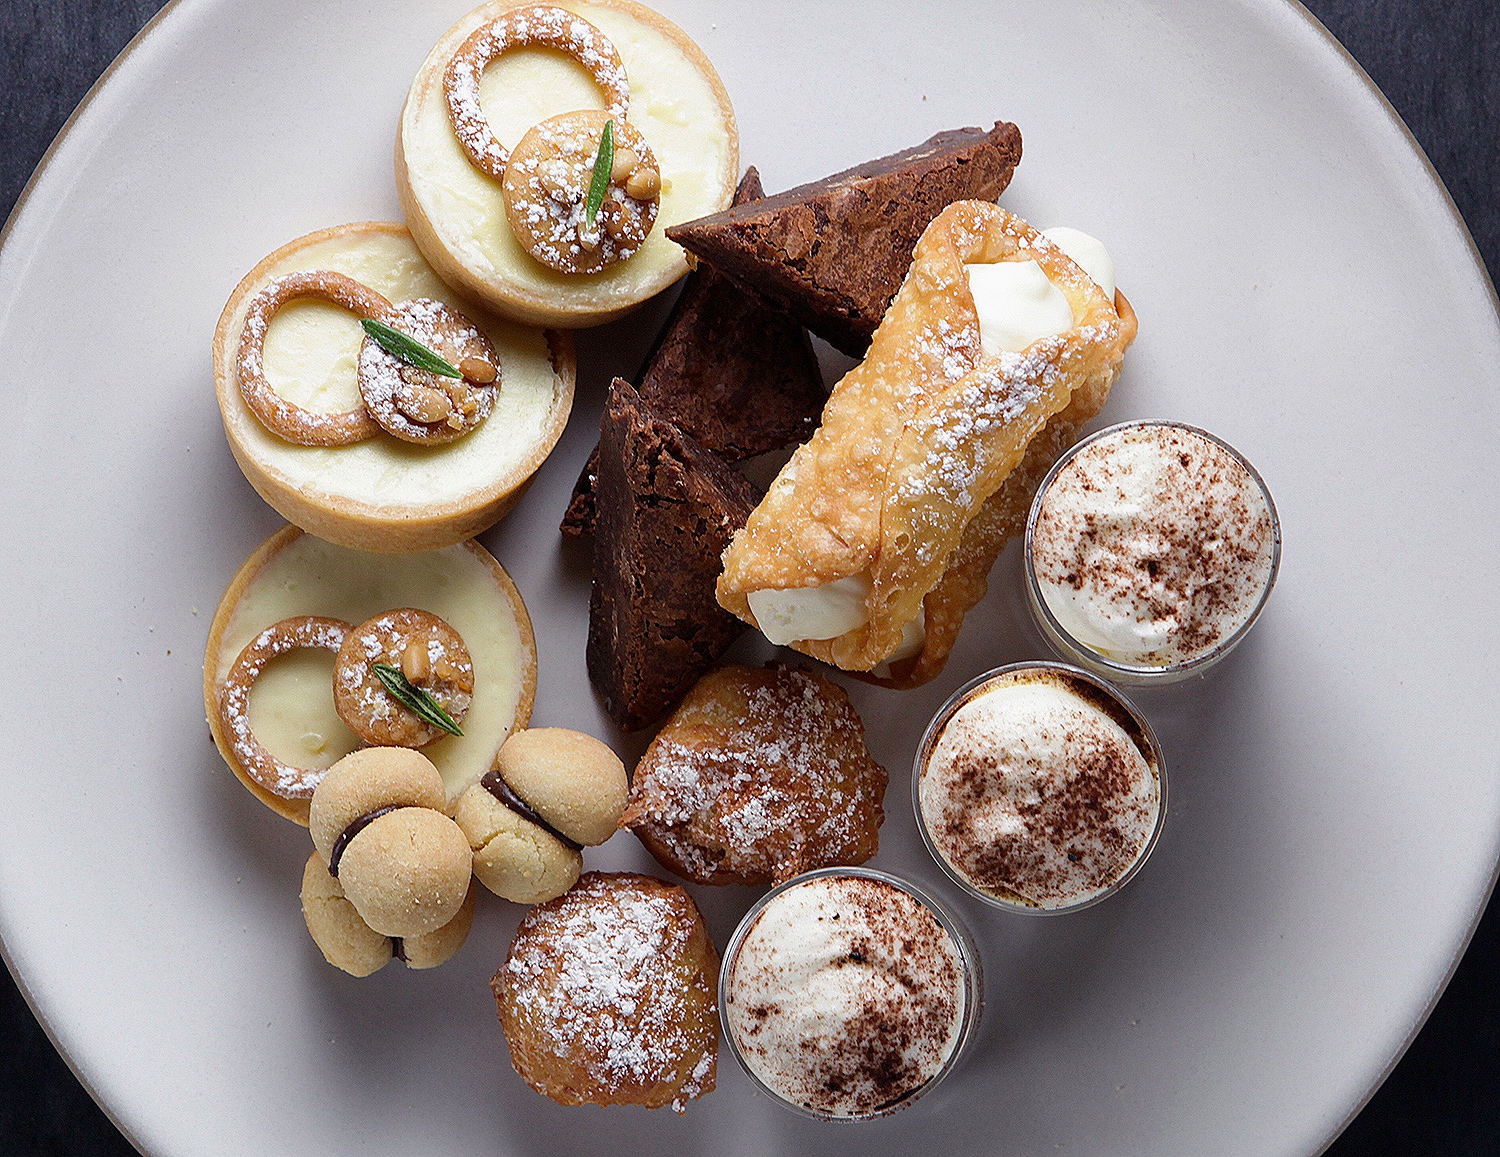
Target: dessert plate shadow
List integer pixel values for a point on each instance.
(1305, 290)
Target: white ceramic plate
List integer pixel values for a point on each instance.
(1305, 290)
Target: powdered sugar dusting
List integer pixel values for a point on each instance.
(607, 995)
(281, 638)
(760, 775)
(544, 24)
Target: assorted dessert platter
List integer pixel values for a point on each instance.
(391, 389)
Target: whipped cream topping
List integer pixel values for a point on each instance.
(1033, 793)
(821, 612)
(846, 995)
(1153, 545)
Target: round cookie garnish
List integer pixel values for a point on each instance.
(431, 657)
(275, 775)
(286, 419)
(418, 405)
(539, 24)
(547, 186)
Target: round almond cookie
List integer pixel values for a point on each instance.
(348, 943)
(268, 673)
(609, 995)
(358, 444)
(551, 793)
(490, 83)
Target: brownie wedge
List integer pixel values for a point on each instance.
(728, 369)
(666, 509)
(833, 253)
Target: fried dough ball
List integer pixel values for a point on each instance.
(609, 995)
(760, 774)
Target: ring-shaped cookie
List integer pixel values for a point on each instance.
(278, 778)
(538, 24)
(286, 419)
(398, 395)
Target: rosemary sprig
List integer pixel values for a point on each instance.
(604, 163)
(408, 349)
(423, 705)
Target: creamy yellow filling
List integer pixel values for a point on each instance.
(310, 354)
(291, 705)
(671, 103)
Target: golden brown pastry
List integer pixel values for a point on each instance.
(274, 716)
(347, 942)
(378, 824)
(551, 793)
(760, 774)
(609, 995)
(356, 445)
(497, 143)
(865, 522)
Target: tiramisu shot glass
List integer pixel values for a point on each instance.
(847, 993)
(1039, 788)
(1150, 549)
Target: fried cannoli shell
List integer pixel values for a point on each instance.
(917, 438)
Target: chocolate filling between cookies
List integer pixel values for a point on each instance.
(497, 787)
(355, 827)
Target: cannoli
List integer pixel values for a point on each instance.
(874, 540)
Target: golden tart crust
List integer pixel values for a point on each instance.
(382, 494)
(497, 631)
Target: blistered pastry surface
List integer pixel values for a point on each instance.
(918, 436)
(292, 701)
(672, 103)
(310, 358)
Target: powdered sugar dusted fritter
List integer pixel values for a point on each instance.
(609, 995)
(760, 774)
(427, 651)
(917, 438)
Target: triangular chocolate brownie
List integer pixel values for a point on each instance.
(667, 507)
(728, 370)
(834, 252)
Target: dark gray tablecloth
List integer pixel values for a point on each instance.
(1438, 62)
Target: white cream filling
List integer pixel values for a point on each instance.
(821, 612)
(671, 103)
(1017, 305)
(291, 705)
(310, 354)
(1088, 253)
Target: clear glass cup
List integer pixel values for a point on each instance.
(1095, 691)
(963, 942)
(1120, 670)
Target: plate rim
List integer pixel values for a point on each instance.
(1296, 9)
